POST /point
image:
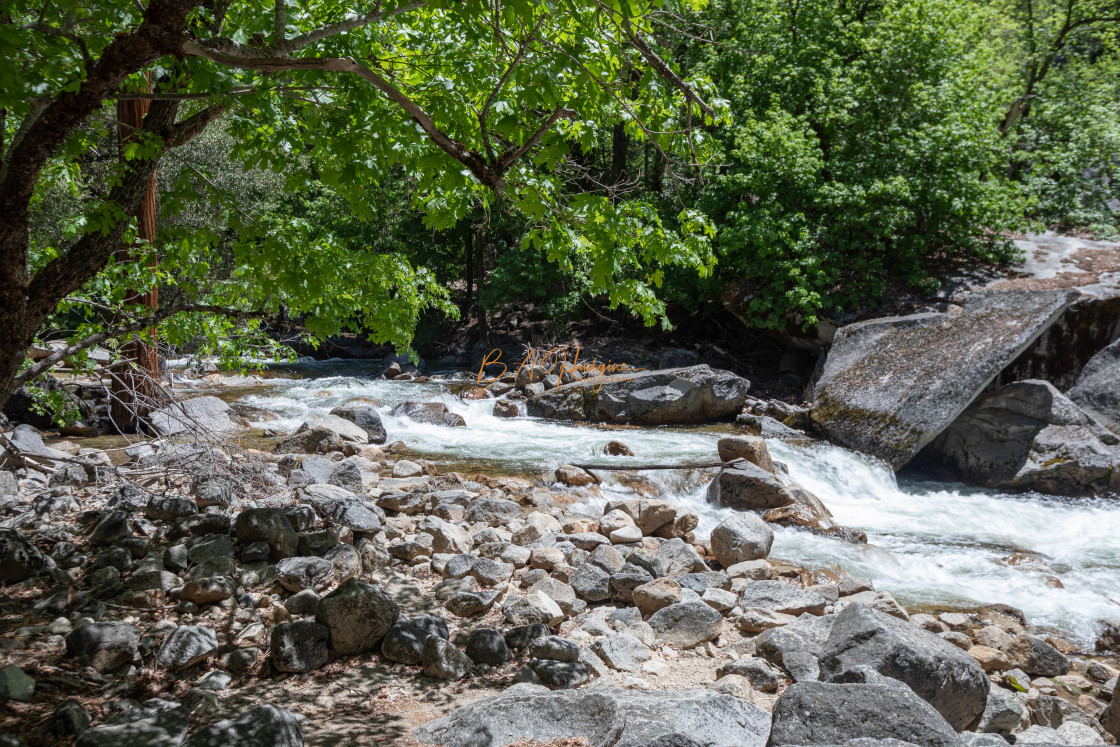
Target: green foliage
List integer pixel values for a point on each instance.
(863, 152)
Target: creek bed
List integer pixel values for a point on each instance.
(931, 544)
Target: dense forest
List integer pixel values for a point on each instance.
(395, 167)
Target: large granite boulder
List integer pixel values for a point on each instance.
(198, 414)
(891, 385)
(1097, 390)
(695, 394)
(940, 673)
(604, 716)
(1030, 435)
(819, 713)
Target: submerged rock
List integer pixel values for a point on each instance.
(695, 394)
(433, 413)
(891, 385)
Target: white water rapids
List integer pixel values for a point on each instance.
(941, 544)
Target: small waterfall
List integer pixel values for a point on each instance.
(1057, 559)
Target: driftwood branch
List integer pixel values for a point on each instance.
(638, 467)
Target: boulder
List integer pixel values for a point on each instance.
(104, 645)
(299, 647)
(591, 582)
(358, 614)
(1035, 656)
(153, 723)
(19, 560)
(192, 415)
(825, 713)
(762, 675)
(561, 675)
(1002, 713)
(1110, 719)
(678, 557)
(649, 514)
(443, 660)
(937, 671)
(751, 448)
(186, 645)
(780, 596)
(655, 595)
(404, 643)
(554, 648)
(495, 512)
(169, 508)
(431, 413)
(686, 624)
(623, 652)
(741, 537)
(536, 607)
(567, 474)
(1097, 390)
(346, 429)
(748, 487)
(505, 409)
(15, 684)
(487, 646)
(310, 572)
(1029, 435)
(890, 385)
(27, 439)
(315, 440)
(261, 726)
(267, 525)
(602, 716)
(366, 418)
(695, 394)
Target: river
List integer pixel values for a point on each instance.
(929, 543)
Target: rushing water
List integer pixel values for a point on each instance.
(931, 543)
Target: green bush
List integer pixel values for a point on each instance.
(863, 152)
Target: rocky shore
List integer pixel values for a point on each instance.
(334, 589)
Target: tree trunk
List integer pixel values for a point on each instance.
(480, 273)
(467, 302)
(133, 389)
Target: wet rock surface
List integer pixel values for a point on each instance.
(891, 385)
(696, 394)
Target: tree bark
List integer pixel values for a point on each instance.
(26, 302)
(480, 273)
(133, 387)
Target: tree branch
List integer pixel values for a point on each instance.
(45, 364)
(510, 156)
(232, 57)
(664, 70)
